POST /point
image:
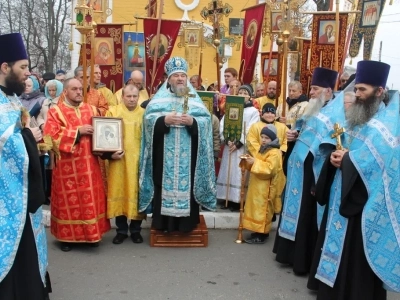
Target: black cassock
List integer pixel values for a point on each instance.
(23, 281)
(167, 223)
(299, 253)
(355, 279)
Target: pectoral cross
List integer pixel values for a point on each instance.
(186, 95)
(338, 131)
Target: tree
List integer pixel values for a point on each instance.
(43, 25)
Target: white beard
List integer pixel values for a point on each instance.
(314, 106)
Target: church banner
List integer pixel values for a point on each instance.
(323, 40)
(108, 53)
(271, 64)
(365, 27)
(208, 99)
(164, 42)
(233, 119)
(134, 54)
(252, 29)
(305, 71)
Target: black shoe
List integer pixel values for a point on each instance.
(65, 247)
(94, 245)
(119, 238)
(257, 239)
(137, 238)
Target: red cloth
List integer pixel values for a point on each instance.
(78, 200)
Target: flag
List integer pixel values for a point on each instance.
(160, 46)
(233, 118)
(208, 99)
(251, 40)
(365, 27)
(108, 54)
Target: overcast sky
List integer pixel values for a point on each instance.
(389, 33)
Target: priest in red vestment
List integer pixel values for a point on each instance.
(78, 207)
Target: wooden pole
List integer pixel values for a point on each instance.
(337, 23)
(242, 165)
(92, 55)
(155, 57)
(84, 68)
(285, 35)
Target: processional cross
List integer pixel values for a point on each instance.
(186, 95)
(214, 13)
(338, 131)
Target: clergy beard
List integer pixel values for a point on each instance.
(179, 89)
(361, 111)
(14, 84)
(314, 106)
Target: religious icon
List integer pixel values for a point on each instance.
(192, 37)
(107, 135)
(273, 67)
(370, 14)
(95, 4)
(104, 52)
(233, 114)
(162, 45)
(276, 21)
(235, 26)
(251, 34)
(326, 33)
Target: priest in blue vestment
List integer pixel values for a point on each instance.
(298, 224)
(23, 245)
(177, 159)
(357, 255)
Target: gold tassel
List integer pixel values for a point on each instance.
(71, 46)
(391, 2)
(351, 61)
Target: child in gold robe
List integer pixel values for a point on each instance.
(264, 168)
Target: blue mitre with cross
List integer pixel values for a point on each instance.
(175, 65)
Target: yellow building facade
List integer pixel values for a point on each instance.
(123, 11)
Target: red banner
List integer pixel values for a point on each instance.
(251, 40)
(305, 71)
(271, 64)
(108, 53)
(164, 42)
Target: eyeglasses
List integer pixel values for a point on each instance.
(343, 80)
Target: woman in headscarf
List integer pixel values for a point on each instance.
(52, 91)
(32, 99)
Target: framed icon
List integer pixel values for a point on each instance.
(108, 134)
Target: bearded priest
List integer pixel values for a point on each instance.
(177, 159)
(298, 226)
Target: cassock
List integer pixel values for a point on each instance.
(176, 163)
(357, 254)
(78, 206)
(298, 224)
(234, 175)
(23, 245)
(123, 179)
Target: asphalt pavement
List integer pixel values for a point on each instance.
(223, 270)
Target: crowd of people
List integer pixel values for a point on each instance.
(334, 191)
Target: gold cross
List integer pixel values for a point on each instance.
(185, 94)
(338, 131)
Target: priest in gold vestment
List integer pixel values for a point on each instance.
(78, 206)
(123, 181)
